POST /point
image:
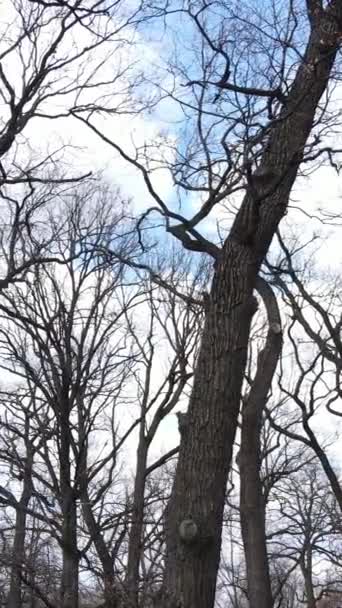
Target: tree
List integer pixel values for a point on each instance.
(50, 53)
(313, 337)
(256, 102)
(66, 341)
(252, 499)
(85, 360)
(24, 464)
(308, 532)
(180, 325)
(272, 118)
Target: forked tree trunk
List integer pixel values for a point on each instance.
(110, 591)
(252, 502)
(192, 560)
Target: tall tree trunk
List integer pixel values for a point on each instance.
(111, 595)
(198, 494)
(14, 599)
(135, 535)
(69, 582)
(110, 590)
(252, 502)
(306, 568)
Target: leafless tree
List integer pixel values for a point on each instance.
(179, 322)
(67, 343)
(255, 95)
(101, 349)
(252, 500)
(56, 58)
(309, 532)
(314, 310)
(254, 88)
(20, 443)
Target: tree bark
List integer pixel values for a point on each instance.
(206, 448)
(69, 582)
(135, 535)
(252, 501)
(306, 568)
(15, 590)
(111, 596)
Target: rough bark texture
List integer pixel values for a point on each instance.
(252, 502)
(206, 448)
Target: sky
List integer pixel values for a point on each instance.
(87, 152)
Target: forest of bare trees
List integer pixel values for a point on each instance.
(170, 304)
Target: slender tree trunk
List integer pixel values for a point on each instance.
(18, 557)
(110, 590)
(135, 535)
(69, 582)
(111, 596)
(312, 440)
(198, 494)
(324, 460)
(252, 502)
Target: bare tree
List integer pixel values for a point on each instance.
(56, 59)
(18, 429)
(252, 500)
(179, 322)
(254, 90)
(314, 343)
(274, 113)
(87, 363)
(67, 342)
(308, 532)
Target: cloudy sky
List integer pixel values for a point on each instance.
(87, 152)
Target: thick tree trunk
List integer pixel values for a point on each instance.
(15, 590)
(136, 530)
(252, 502)
(306, 568)
(204, 458)
(205, 449)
